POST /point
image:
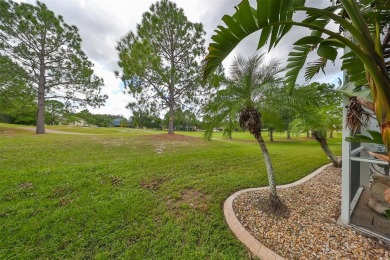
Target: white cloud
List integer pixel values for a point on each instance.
(117, 100)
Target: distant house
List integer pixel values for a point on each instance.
(79, 122)
(117, 122)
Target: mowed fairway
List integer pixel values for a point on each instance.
(132, 194)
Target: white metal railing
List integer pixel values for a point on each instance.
(364, 159)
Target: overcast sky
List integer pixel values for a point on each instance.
(102, 23)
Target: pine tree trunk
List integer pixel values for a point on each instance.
(307, 133)
(270, 172)
(288, 134)
(41, 102)
(171, 120)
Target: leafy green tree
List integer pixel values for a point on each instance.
(330, 102)
(70, 118)
(18, 105)
(104, 120)
(123, 123)
(184, 120)
(49, 50)
(324, 116)
(230, 125)
(318, 121)
(54, 110)
(145, 119)
(287, 115)
(243, 96)
(160, 62)
(88, 117)
(17, 98)
(273, 122)
(362, 23)
(281, 106)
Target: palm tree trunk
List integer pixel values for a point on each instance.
(324, 145)
(275, 201)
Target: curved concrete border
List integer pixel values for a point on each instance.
(257, 248)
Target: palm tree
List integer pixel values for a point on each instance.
(242, 97)
(315, 106)
(317, 121)
(324, 116)
(363, 22)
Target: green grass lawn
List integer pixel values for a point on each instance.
(132, 194)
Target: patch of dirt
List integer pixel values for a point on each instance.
(7, 213)
(9, 196)
(62, 190)
(112, 141)
(113, 180)
(160, 148)
(163, 142)
(189, 199)
(7, 131)
(153, 184)
(56, 131)
(168, 137)
(65, 201)
(12, 132)
(26, 186)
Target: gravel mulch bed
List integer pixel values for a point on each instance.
(308, 230)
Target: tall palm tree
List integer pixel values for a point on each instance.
(243, 95)
(363, 22)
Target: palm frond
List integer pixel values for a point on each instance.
(296, 61)
(376, 12)
(355, 69)
(314, 68)
(270, 18)
(386, 49)
(350, 90)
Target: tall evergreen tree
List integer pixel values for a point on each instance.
(49, 50)
(161, 61)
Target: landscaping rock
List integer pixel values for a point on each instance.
(309, 229)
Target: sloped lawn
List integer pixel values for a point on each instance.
(131, 196)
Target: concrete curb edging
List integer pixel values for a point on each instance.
(257, 248)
